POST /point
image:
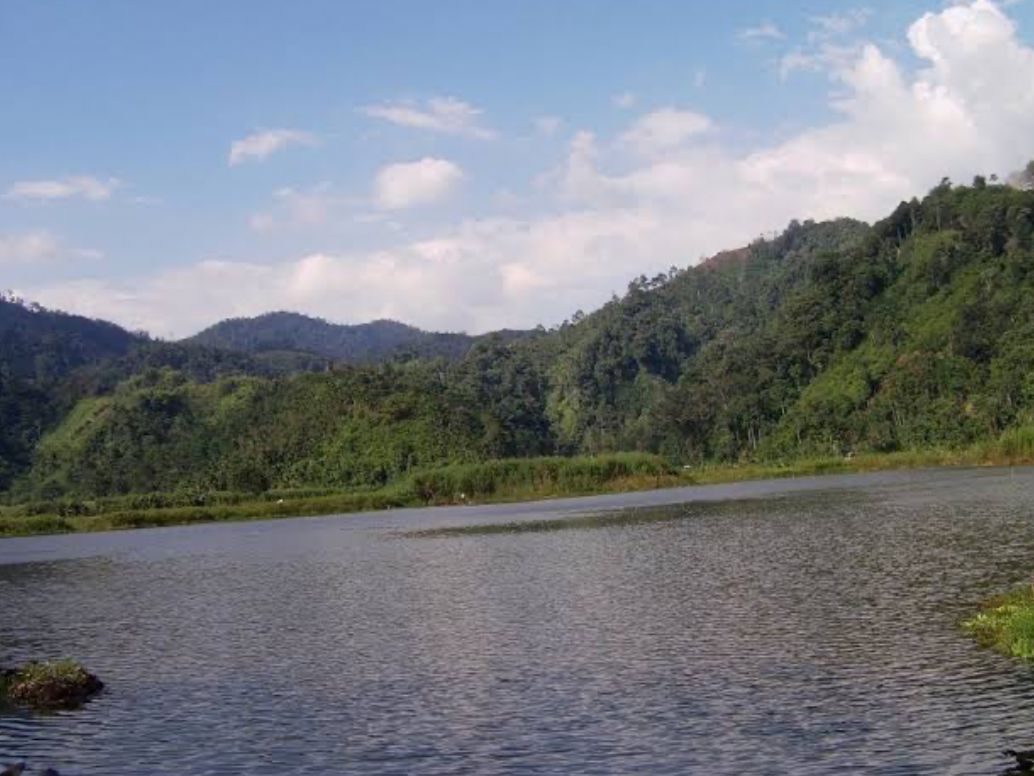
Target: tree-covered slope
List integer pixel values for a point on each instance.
(364, 343)
(38, 349)
(50, 360)
(834, 337)
(353, 427)
(43, 345)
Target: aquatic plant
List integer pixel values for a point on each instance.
(1006, 624)
(48, 686)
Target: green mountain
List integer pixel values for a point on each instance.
(912, 333)
(51, 360)
(354, 344)
(38, 350)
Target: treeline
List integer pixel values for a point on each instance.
(914, 333)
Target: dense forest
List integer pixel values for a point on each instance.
(915, 332)
(364, 343)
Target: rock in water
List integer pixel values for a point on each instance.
(1024, 761)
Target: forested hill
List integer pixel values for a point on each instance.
(38, 350)
(44, 345)
(915, 332)
(355, 344)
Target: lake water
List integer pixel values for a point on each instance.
(803, 626)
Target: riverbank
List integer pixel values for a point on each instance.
(500, 481)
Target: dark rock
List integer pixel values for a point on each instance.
(1024, 762)
(19, 768)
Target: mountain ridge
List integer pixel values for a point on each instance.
(915, 332)
(350, 343)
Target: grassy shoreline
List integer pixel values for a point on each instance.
(502, 481)
(1005, 623)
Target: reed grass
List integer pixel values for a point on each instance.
(495, 481)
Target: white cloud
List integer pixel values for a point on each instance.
(493, 265)
(28, 248)
(408, 184)
(826, 57)
(259, 145)
(664, 130)
(448, 115)
(37, 247)
(699, 78)
(830, 47)
(763, 31)
(834, 25)
(608, 213)
(307, 207)
(624, 100)
(83, 186)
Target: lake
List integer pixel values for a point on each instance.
(804, 626)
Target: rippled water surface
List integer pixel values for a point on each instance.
(805, 627)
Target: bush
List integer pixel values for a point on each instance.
(1007, 624)
(60, 684)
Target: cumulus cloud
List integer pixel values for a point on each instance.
(83, 186)
(448, 115)
(259, 145)
(664, 130)
(408, 184)
(492, 265)
(608, 213)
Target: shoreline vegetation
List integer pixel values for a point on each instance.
(494, 481)
(1005, 623)
(822, 349)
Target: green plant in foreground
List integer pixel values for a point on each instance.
(1006, 624)
(51, 685)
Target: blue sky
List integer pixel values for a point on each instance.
(467, 165)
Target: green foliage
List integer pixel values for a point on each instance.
(459, 483)
(366, 343)
(47, 686)
(915, 333)
(1006, 624)
(532, 476)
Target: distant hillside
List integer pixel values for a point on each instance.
(50, 360)
(914, 333)
(42, 345)
(39, 348)
(354, 344)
